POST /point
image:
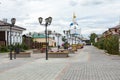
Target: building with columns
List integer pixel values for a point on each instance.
(16, 33)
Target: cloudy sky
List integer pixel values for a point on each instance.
(92, 15)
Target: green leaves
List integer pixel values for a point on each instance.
(109, 43)
(92, 37)
(112, 45)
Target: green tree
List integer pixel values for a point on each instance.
(109, 43)
(112, 45)
(92, 37)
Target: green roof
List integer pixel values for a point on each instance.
(38, 36)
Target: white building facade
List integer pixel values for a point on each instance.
(16, 33)
(58, 39)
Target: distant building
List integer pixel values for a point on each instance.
(98, 37)
(86, 41)
(16, 36)
(115, 30)
(112, 31)
(58, 39)
(28, 41)
(41, 38)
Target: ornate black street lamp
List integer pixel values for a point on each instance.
(13, 20)
(47, 22)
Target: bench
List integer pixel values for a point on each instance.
(58, 54)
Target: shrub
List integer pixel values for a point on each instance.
(24, 47)
(110, 43)
(100, 44)
(3, 48)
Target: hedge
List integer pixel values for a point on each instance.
(109, 43)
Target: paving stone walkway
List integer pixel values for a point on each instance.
(97, 66)
(88, 63)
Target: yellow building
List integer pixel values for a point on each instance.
(41, 38)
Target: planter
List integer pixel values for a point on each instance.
(35, 51)
(58, 54)
(23, 55)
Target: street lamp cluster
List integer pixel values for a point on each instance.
(47, 22)
(67, 33)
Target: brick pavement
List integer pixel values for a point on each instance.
(6, 63)
(88, 63)
(98, 67)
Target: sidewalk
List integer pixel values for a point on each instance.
(88, 63)
(98, 66)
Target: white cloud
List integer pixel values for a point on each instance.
(90, 13)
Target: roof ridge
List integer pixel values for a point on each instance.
(6, 23)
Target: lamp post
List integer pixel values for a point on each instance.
(58, 35)
(75, 34)
(66, 32)
(13, 20)
(49, 32)
(71, 36)
(47, 22)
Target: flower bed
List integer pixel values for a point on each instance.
(58, 54)
(74, 47)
